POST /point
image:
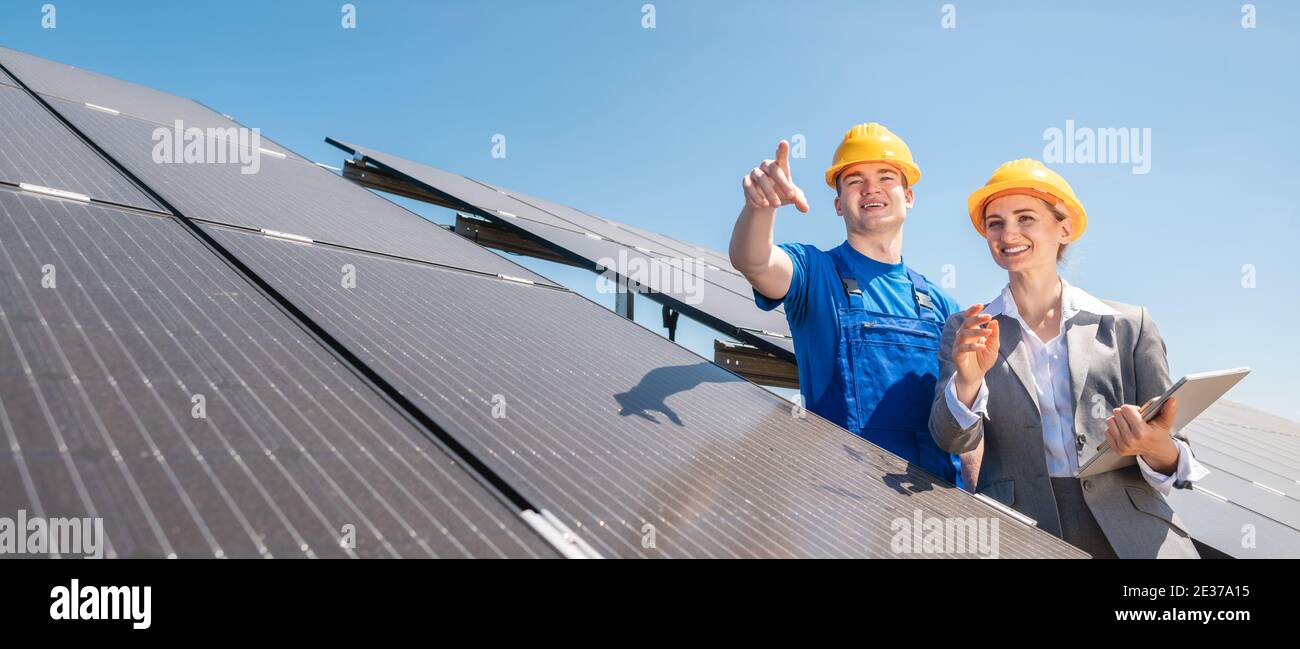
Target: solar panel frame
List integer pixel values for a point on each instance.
(96, 402)
(718, 258)
(496, 199)
(595, 255)
(630, 236)
(38, 149)
(727, 303)
(737, 475)
(705, 269)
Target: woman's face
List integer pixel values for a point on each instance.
(1023, 233)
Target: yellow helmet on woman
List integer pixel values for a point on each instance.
(1032, 178)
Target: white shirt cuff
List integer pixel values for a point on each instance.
(967, 417)
(1189, 470)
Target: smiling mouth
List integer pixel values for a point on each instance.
(872, 205)
(1015, 251)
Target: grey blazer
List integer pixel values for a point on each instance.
(1114, 360)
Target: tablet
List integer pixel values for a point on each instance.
(1195, 393)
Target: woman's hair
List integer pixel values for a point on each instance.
(1059, 213)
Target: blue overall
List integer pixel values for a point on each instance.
(890, 365)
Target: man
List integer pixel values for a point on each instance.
(866, 327)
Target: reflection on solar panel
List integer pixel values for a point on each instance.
(147, 384)
(37, 149)
(283, 195)
(1255, 481)
(53, 79)
(375, 371)
(724, 299)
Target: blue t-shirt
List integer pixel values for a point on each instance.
(811, 308)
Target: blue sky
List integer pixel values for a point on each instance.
(655, 127)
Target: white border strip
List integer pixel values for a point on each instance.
(285, 235)
(57, 193)
(105, 109)
(512, 278)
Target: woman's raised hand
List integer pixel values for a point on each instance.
(975, 349)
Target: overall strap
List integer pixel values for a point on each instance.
(921, 291)
(847, 280)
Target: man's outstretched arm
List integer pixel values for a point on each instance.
(753, 252)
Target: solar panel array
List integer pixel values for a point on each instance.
(211, 388)
(1249, 506)
(717, 295)
(146, 383)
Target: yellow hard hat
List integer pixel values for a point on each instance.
(1032, 178)
(873, 143)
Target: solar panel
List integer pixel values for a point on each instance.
(84, 87)
(6, 79)
(143, 382)
(717, 258)
(712, 302)
(717, 295)
(1254, 461)
(1232, 529)
(716, 268)
(721, 285)
(37, 149)
(283, 195)
(642, 447)
(1228, 455)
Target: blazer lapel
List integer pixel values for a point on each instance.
(1082, 348)
(1017, 357)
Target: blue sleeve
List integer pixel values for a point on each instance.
(797, 295)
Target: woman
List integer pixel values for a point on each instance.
(1046, 373)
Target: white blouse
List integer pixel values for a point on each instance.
(1049, 365)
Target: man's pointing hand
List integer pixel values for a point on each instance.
(771, 185)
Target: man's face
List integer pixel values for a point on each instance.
(872, 196)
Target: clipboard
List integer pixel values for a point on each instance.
(1195, 393)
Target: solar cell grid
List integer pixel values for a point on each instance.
(606, 424)
(283, 195)
(74, 84)
(37, 149)
(114, 323)
(714, 294)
